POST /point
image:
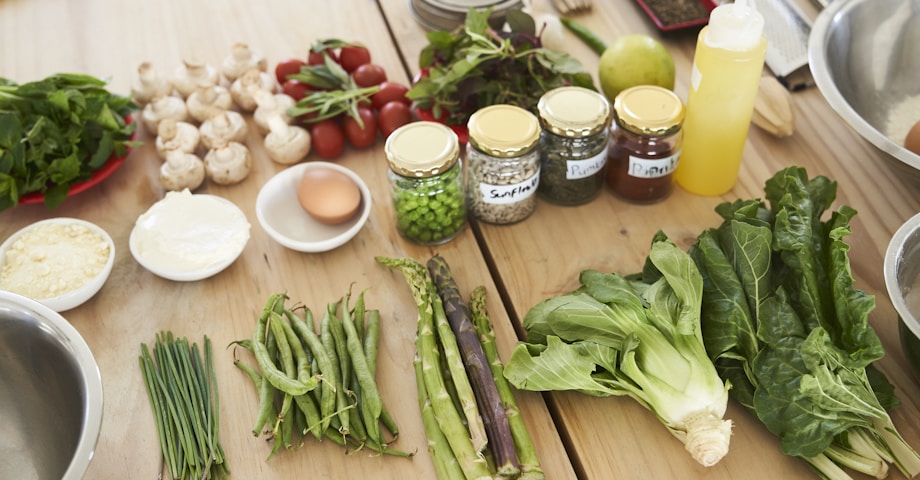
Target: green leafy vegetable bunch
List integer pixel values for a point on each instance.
(616, 336)
(477, 65)
(58, 131)
(785, 325)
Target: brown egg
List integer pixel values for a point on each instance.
(328, 195)
(912, 142)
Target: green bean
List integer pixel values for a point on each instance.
(313, 419)
(328, 342)
(358, 314)
(328, 391)
(300, 355)
(338, 336)
(585, 35)
(371, 403)
(269, 371)
(371, 339)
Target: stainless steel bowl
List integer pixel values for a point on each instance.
(863, 55)
(50, 394)
(902, 280)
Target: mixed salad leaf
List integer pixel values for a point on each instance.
(58, 131)
(478, 65)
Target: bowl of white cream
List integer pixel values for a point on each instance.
(59, 262)
(188, 237)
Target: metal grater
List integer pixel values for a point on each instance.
(786, 30)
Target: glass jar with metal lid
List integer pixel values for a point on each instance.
(645, 143)
(503, 161)
(573, 144)
(426, 182)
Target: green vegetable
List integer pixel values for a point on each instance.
(337, 92)
(585, 35)
(430, 210)
(785, 325)
(184, 398)
(431, 343)
(476, 66)
(613, 336)
(494, 417)
(56, 132)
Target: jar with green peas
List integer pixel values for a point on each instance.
(426, 182)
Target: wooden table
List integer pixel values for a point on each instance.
(576, 436)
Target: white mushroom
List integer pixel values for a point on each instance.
(149, 84)
(207, 101)
(192, 75)
(181, 170)
(228, 164)
(243, 88)
(286, 144)
(224, 127)
(161, 108)
(173, 135)
(242, 58)
(269, 106)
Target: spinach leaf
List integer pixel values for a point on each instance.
(57, 131)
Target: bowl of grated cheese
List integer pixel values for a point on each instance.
(59, 262)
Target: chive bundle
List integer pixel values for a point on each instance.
(183, 395)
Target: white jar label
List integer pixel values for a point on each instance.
(508, 194)
(652, 167)
(575, 169)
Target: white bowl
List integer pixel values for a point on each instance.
(187, 237)
(71, 298)
(282, 217)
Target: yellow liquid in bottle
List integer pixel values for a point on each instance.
(719, 108)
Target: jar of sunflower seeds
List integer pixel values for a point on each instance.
(503, 161)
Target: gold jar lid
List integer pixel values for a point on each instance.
(573, 111)
(422, 149)
(648, 110)
(503, 130)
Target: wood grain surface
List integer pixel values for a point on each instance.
(576, 436)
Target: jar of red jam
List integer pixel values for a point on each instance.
(644, 143)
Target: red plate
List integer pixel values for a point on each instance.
(107, 169)
(655, 9)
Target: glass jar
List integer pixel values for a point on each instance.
(503, 161)
(644, 143)
(573, 144)
(426, 182)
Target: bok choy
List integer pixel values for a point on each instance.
(614, 336)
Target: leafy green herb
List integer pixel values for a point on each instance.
(785, 325)
(476, 66)
(58, 131)
(337, 92)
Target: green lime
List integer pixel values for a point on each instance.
(632, 60)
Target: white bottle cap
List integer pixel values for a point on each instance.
(734, 26)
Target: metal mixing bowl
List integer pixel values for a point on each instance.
(902, 280)
(50, 394)
(863, 55)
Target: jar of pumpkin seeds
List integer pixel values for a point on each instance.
(503, 161)
(573, 144)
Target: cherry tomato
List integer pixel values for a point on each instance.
(296, 89)
(392, 116)
(390, 91)
(328, 138)
(287, 67)
(368, 75)
(353, 56)
(316, 58)
(357, 136)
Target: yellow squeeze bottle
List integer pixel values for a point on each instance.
(726, 73)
